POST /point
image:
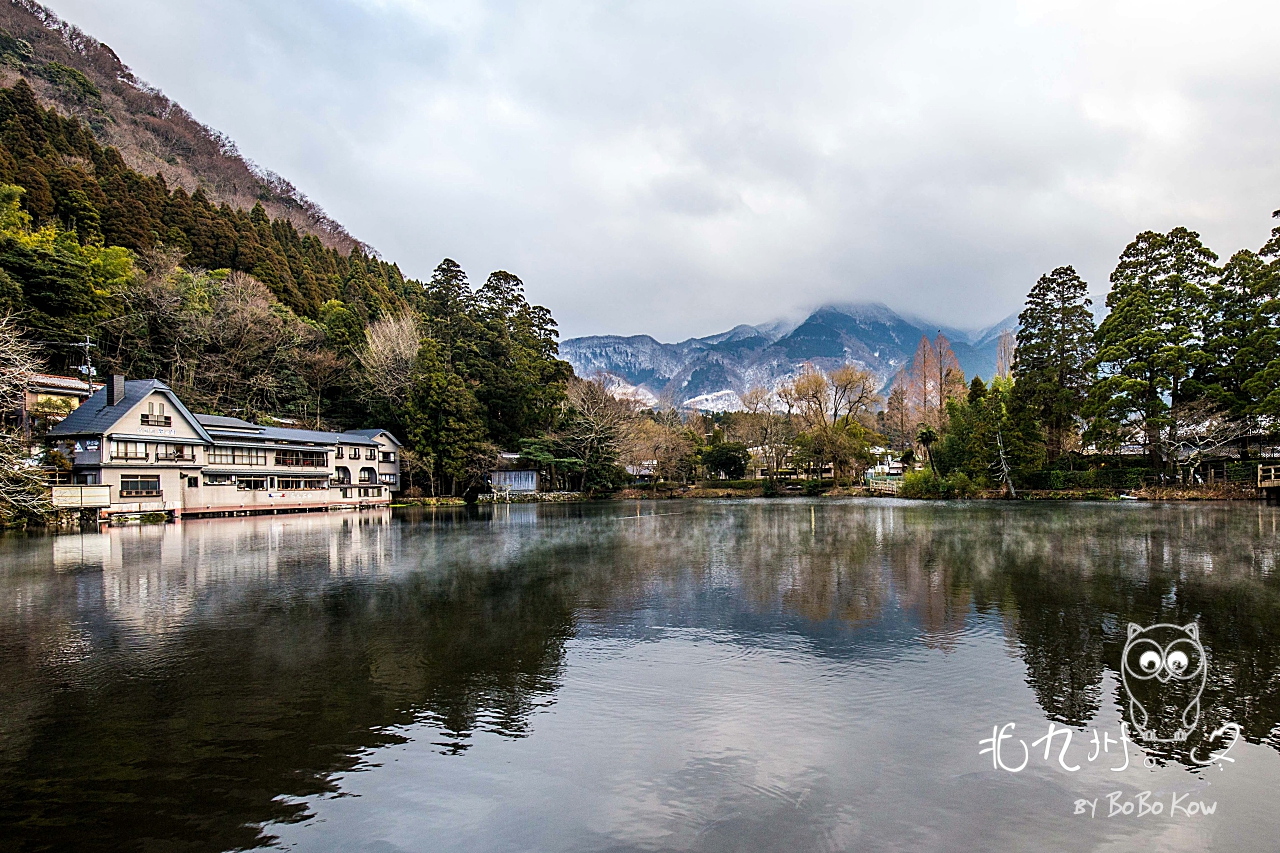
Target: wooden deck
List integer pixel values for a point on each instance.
(1269, 482)
(884, 485)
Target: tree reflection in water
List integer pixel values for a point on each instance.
(181, 687)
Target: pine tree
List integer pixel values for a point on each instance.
(1051, 363)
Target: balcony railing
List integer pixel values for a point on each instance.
(175, 457)
(129, 457)
(141, 493)
(157, 420)
(291, 462)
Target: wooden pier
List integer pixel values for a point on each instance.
(1269, 482)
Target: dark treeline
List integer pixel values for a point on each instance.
(1183, 369)
(243, 315)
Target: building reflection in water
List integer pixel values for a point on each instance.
(244, 663)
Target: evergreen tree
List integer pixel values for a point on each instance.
(1051, 365)
(1152, 341)
(1262, 352)
(1235, 349)
(445, 422)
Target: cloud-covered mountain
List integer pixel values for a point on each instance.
(711, 372)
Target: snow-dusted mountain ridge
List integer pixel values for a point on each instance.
(711, 372)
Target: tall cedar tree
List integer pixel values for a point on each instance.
(1152, 341)
(1051, 364)
(1264, 338)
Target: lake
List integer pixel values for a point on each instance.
(705, 676)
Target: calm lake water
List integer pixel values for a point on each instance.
(719, 676)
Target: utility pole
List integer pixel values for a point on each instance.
(88, 364)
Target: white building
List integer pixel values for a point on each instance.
(137, 439)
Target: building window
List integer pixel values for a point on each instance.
(219, 479)
(387, 479)
(370, 453)
(371, 493)
(139, 487)
(193, 482)
(337, 454)
(302, 458)
(151, 418)
(175, 453)
(237, 456)
(342, 475)
(128, 450)
(368, 475)
(251, 484)
(387, 457)
(303, 484)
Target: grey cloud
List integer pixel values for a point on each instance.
(678, 168)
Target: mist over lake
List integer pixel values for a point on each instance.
(755, 675)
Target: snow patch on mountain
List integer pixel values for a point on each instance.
(719, 401)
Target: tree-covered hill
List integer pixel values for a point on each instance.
(71, 179)
(81, 77)
(242, 314)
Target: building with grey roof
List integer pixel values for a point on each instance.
(152, 454)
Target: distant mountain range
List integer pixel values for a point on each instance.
(712, 372)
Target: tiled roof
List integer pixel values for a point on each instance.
(215, 421)
(234, 429)
(95, 417)
(52, 382)
(374, 433)
(284, 434)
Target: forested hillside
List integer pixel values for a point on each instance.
(243, 315)
(70, 179)
(81, 77)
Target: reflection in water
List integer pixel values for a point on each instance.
(185, 686)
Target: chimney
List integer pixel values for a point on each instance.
(115, 389)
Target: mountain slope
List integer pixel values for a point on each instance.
(712, 372)
(79, 76)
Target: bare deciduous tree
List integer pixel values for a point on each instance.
(595, 427)
(659, 443)
(1006, 347)
(322, 370)
(390, 351)
(833, 409)
(933, 377)
(250, 346)
(22, 487)
(1197, 429)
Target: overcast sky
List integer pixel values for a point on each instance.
(676, 168)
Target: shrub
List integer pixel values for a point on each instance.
(770, 488)
(812, 488)
(731, 484)
(919, 484)
(924, 485)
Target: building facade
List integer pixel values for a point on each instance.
(136, 438)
